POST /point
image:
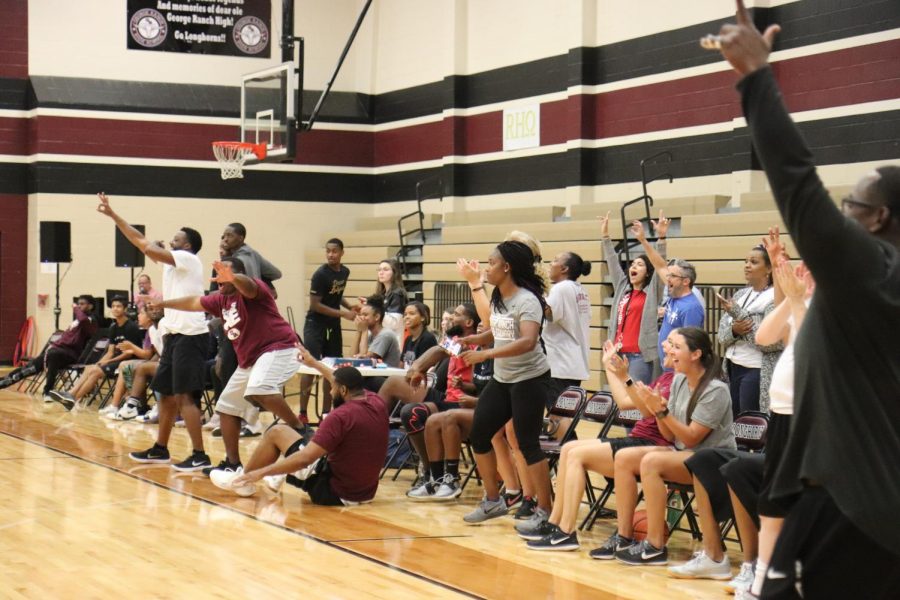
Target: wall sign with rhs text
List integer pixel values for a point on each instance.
(227, 27)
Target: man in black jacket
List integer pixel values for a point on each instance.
(840, 471)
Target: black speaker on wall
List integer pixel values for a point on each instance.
(126, 254)
(56, 242)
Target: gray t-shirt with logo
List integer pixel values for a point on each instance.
(713, 410)
(505, 325)
(386, 345)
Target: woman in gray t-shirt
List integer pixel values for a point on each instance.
(696, 415)
(518, 388)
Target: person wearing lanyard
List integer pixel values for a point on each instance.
(635, 298)
(748, 364)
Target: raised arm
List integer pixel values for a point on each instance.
(310, 361)
(656, 259)
(188, 303)
(245, 286)
(470, 270)
(618, 276)
(153, 250)
(833, 246)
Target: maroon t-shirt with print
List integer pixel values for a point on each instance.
(355, 436)
(253, 325)
(647, 428)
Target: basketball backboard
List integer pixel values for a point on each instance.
(268, 110)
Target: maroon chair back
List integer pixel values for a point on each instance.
(628, 418)
(750, 430)
(599, 407)
(569, 403)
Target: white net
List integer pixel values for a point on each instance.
(231, 157)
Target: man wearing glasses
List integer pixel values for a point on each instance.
(683, 309)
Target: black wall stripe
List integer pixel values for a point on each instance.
(803, 23)
(868, 137)
(13, 93)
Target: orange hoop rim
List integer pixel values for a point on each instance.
(258, 149)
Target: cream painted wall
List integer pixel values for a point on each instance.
(280, 231)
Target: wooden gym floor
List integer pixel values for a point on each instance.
(80, 520)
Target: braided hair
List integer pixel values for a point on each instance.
(520, 259)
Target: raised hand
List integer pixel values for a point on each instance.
(742, 45)
(469, 270)
(224, 272)
(742, 327)
(637, 230)
(661, 225)
(774, 246)
(415, 378)
(790, 280)
(473, 357)
(650, 397)
(604, 226)
(104, 208)
(305, 356)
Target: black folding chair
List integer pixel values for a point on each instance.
(568, 405)
(33, 382)
(93, 351)
(750, 430)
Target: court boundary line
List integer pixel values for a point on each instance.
(308, 536)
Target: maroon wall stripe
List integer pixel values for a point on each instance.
(13, 271)
(14, 39)
(832, 79)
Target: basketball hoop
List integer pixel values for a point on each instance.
(232, 155)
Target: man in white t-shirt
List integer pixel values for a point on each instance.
(180, 376)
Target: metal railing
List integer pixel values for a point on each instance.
(646, 198)
(422, 194)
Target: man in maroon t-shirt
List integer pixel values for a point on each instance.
(264, 344)
(354, 437)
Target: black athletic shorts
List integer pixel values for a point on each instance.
(322, 339)
(317, 485)
(437, 398)
(718, 468)
(776, 440)
(556, 387)
(110, 369)
(628, 442)
(181, 366)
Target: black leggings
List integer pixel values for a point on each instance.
(524, 403)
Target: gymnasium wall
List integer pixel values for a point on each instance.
(421, 95)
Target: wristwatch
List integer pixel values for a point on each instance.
(629, 382)
(663, 413)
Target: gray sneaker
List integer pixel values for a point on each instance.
(448, 488)
(743, 580)
(487, 509)
(422, 492)
(533, 527)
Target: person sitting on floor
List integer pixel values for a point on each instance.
(353, 441)
(122, 330)
(63, 352)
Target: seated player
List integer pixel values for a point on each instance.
(373, 340)
(416, 317)
(453, 379)
(353, 440)
(598, 455)
(148, 319)
(444, 432)
(61, 353)
(121, 330)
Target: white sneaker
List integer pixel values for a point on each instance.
(274, 482)
(128, 411)
(743, 580)
(212, 423)
(151, 416)
(448, 488)
(223, 479)
(107, 411)
(48, 399)
(304, 473)
(702, 567)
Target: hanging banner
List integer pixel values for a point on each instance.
(225, 27)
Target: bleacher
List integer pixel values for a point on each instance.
(707, 231)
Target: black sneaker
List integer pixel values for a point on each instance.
(541, 530)
(151, 455)
(526, 509)
(643, 553)
(559, 540)
(222, 466)
(194, 462)
(609, 548)
(513, 501)
(64, 398)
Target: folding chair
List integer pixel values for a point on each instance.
(568, 405)
(34, 382)
(750, 430)
(92, 353)
(602, 409)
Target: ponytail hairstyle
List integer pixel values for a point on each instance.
(577, 266)
(376, 303)
(765, 254)
(522, 270)
(697, 339)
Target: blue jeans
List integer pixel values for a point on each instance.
(744, 385)
(638, 368)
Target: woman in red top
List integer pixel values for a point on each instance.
(597, 455)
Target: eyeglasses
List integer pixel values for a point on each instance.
(849, 201)
(675, 276)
